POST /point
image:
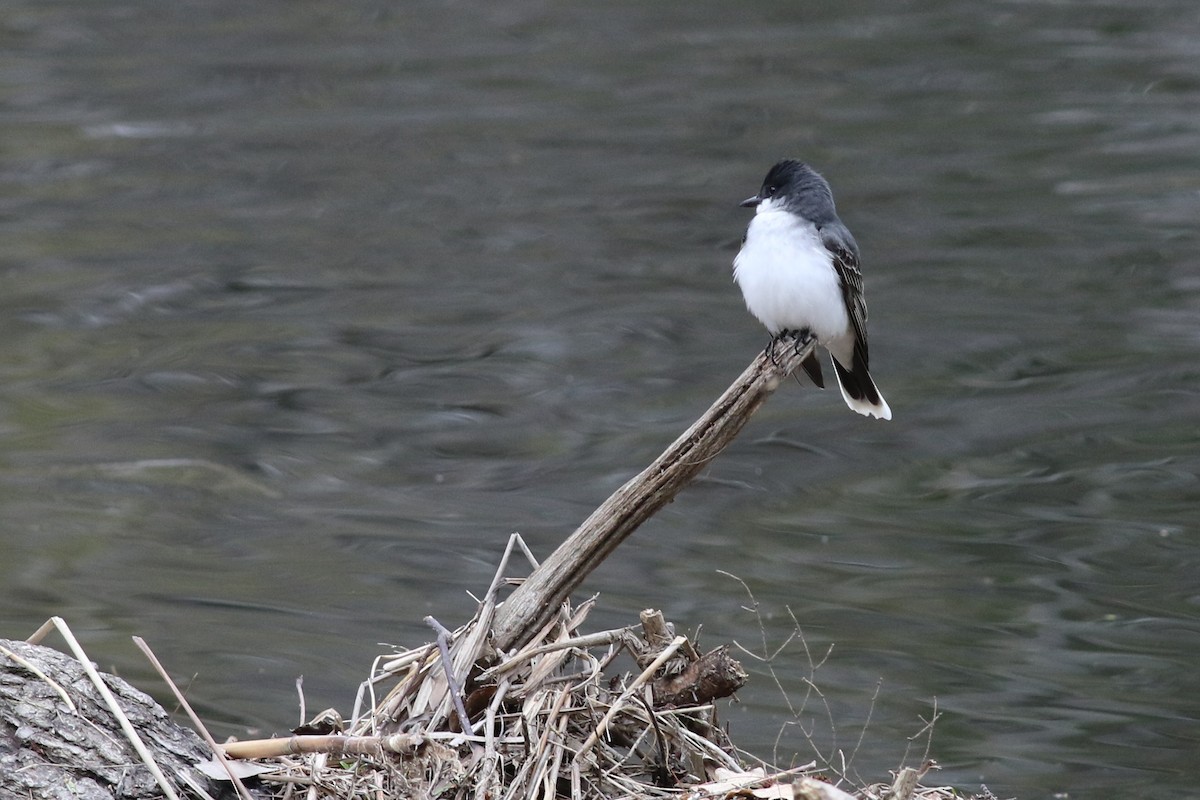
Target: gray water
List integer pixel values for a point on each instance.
(306, 306)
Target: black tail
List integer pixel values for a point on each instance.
(859, 391)
(813, 368)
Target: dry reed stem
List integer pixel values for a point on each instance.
(46, 679)
(335, 744)
(646, 675)
(200, 727)
(580, 642)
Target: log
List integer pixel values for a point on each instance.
(712, 676)
(58, 738)
(538, 598)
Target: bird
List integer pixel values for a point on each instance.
(799, 273)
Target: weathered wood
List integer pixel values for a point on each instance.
(533, 603)
(712, 676)
(58, 739)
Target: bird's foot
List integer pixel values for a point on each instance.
(802, 338)
(769, 352)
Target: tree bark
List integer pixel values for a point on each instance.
(50, 750)
(533, 603)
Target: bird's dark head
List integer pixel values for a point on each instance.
(795, 186)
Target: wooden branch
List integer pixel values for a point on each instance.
(713, 676)
(539, 597)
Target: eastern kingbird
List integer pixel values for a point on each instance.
(798, 270)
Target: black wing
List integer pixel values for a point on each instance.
(844, 249)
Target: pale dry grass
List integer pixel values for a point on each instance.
(569, 714)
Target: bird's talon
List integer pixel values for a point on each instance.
(770, 351)
(803, 337)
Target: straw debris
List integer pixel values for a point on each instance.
(623, 713)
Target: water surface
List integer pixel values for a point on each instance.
(304, 309)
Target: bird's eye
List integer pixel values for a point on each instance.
(769, 190)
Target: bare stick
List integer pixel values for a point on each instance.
(588, 640)
(539, 597)
(443, 637)
(337, 744)
(620, 702)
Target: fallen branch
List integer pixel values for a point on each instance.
(713, 676)
(536, 600)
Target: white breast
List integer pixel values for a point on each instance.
(787, 277)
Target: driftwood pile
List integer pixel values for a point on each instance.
(630, 712)
(616, 713)
(623, 713)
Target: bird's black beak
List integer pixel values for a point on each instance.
(750, 202)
